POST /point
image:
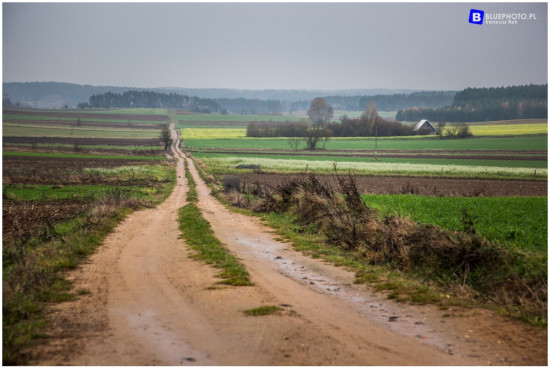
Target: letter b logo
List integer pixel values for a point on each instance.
(476, 16)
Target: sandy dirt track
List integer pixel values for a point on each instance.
(150, 304)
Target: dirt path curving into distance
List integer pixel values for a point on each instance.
(150, 304)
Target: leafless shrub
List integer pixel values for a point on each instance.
(409, 189)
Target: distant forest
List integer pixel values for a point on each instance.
(150, 99)
(486, 104)
(391, 102)
(234, 101)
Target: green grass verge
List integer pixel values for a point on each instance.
(518, 221)
(262, 311)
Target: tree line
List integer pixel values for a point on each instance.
(486, 104)
(383, 102)
(319, 128)
(151, 99)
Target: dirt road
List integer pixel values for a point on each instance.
(150, 304)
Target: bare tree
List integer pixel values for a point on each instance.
(166, 136)
(320, 112)
(312, 136)
(327, 135)
(372, 116)
(294, 142)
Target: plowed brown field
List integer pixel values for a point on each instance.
(418, 185)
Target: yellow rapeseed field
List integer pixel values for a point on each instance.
(212, 133)
(515, 129)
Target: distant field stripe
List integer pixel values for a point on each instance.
(71, 155)
(53, 119)
(418, 167)
(236, 118)
(212, 133)
(525, 142)
(69, 132)
(86, 146)
(68, 192)
(76, 128)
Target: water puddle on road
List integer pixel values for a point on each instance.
(408, 320)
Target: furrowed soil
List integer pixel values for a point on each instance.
(84, 115)
(149, 303)
(82, 141)
(417, 185)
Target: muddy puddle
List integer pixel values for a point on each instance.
(407, 320)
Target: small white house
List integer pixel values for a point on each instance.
(424, 127)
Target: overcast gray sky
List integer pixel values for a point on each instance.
(273, 45)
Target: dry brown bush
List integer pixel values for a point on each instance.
(461, 260)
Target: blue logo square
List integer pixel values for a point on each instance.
(476, 16)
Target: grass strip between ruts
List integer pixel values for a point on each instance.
(200, 237)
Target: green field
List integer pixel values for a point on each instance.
(518, 221)
(85, 193)
(539, 142)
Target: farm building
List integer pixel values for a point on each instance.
(424, 127)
